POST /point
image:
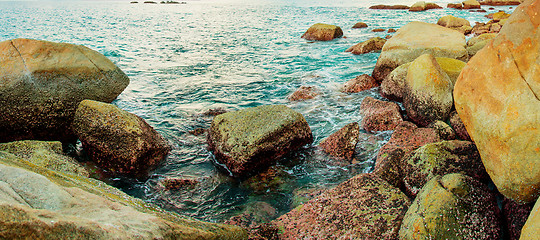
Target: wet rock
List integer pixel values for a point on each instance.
(198, 131)
(214, 112)
(252, 139)
(391, 30)
(455, 5)
(254, 214)
(454, 206)
(371, 45)
(379, 115)
(444, 130)
(516, 215)
(378, 30)
(360, 83)
(423, 6)
(364, 207)
(38, 203)
(507, 66)
(457, 125)
(471, 4)
(440, 158)
(272, 180)
(360, 25)
(406, 138)
(302, 196)
(342, 143)
(501, 2)
(532, 226)
(382, 6)
(118, 141)
(303, 93)
(172, 183)
(415, 39)
(43, 82)
(322, 32)
(45, 154)
(427, 92)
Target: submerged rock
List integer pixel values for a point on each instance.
(497, 98)
(415, 39)
(118, 141)
(440, 158)
(43, 82)
(342, 143)
(428, 91)
(360, 83)
(363, 207)
(379, 115)
(45, 154)
(454, 206)
(371, 45)
(252, 139)
(37, 203)
(322, 32)
(303, 93)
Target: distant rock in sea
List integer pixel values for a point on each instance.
(394, 7)
(322, 32)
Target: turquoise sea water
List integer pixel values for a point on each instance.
(186, 59)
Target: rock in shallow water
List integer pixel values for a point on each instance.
(118, 141)
(497, 97)
(360, 83)
(379, 115)
(454, 206)
(41, 84)
(371, 45)
(363, 207)
(252, 139)
(303, 93)
(342, 143)
(37, 203)
(322, 32)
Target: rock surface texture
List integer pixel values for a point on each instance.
(379, 115)
(371, 45)
(497, 97)
(303, 93)
(41, 84)
(343, 142)
(363, 207)
(322, 32)
(360, 83)
(118, 141)
(415, 39)
(252, 139)
(532, 226)
(454, 206)
(428, 91)
(37, 203)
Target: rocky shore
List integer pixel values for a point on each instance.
(462, 102)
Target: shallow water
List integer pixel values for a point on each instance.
(186, 59)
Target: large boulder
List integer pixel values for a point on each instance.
(454, 206)
(371, 45)
(322, 32)
(532, 226)
(378, 115)
(428, 91)
(497, 98)
(45, 154)
(415, 39)
(118, 141)
(252, 139)
(363, 207)
(41, 84)
(455, 23)
(37, 203)
(342, 143)
(440, 158)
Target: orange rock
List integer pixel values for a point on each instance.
(371, 45)
(322, 32)
(360, 83)
(303, 93)
(497, 97)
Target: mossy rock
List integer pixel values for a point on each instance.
(38, 203)
(45, 154)
(250, 140)
(453, 206)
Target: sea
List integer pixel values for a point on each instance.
(184, 60)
